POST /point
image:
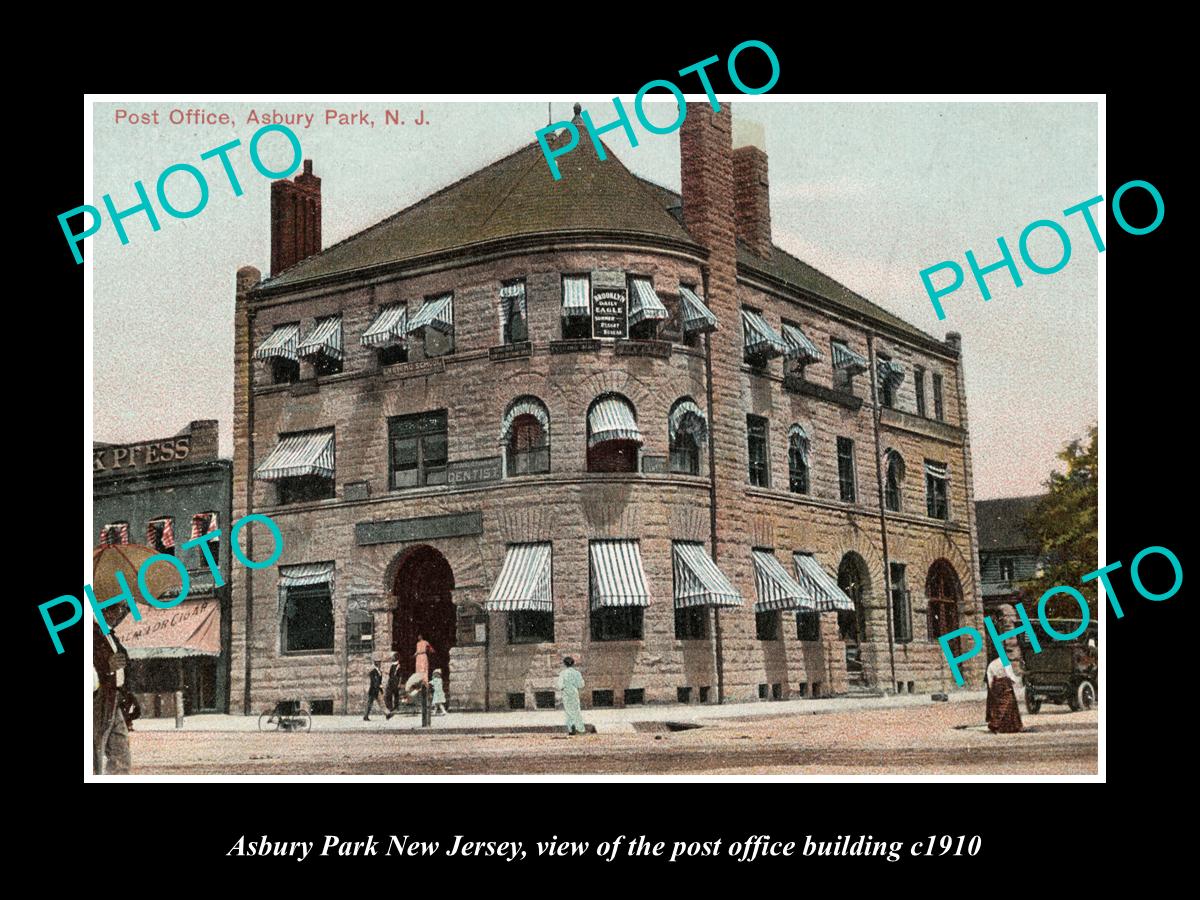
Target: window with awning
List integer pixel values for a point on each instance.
(436, 313)
(644, 304)
(799, 348)
(160, 534)
(777, 590)
(281, 343)
(617, 578)
(688, 418)
(760, 340)
(114, 533)
(577, 296)
(324, 340)
(698, 581)
(612, 419)
(818, 584)
(890, 372)
(296, 455)
(846, 360)
(524, 584)
(389, 329)
(936, 494)
(696, 317)
(513, 323)
(306, 598)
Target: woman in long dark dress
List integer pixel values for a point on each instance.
(1003, 714)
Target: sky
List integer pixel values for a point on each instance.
(870, 193)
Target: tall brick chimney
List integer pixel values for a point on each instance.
(295, 219)
(752, 196)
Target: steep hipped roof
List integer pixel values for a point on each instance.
(1001, 523)
(512, 197)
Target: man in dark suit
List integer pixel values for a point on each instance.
(391, 699)
(373, 687)
(110, 734)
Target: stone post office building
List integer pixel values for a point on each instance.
(526, 418)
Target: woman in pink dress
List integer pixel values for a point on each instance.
(424, 651)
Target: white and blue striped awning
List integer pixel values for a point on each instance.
(281, 344)
(776, 588)
(845, 358)
(823, 588)
(760, 338)
(799, 346)
(644, 303)
(524, 406)
(389, 328)
(577, 301)
(698, 581)
(798, 438)
(696, 317)
(513, 295)
(326, 337)
(310, 453)
(612, 419)
(689, 418)
(890, 372)
(524, 582)
(436, 313)
(936, 470)
(617, 578)
(305, 573)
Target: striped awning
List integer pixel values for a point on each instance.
(310, 453)
(760, 338)
(890, 372)
(524, 582)
(389, 328)
(798, 438)
(845, 358)
(513, 295)
(161, 532)
(281, 344)
(617, 576)
(576, 296)
(936, 470)
(819, 585)
(524, 406)
(689, 418)
(203, 523)
(799, 346)
(437, 313)
(611, 419)
(114, 533)
(305, 573)
(644, 303)
(698, 581)
(696, 316)
(326, 337)
(776, 588)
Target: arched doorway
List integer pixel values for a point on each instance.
(854, 580)
(422, 588)
(944, 591)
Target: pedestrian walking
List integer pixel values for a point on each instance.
(1003, 714)
(110, 734)
(569, 683)
(391, 697)
(439, 693)
(374, 688)
(424, 651)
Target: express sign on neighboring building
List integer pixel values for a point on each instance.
(146, 454)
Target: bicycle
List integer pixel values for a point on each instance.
(286, 715)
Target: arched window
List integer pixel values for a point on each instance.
(895, 474)
(688, 430)
(613, 437)
(944, 591)
(797, 460)
(525, 434)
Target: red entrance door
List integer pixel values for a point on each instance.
(423, 586)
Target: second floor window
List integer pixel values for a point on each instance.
(845, 455)
(919, 387)
(302, 466)
(797, 460)
(513, 319)
(756, 446)
(160, 534)
(527, 441)
(202, 524)
(1006, 568)
(938, 410)
(576, 306)
(687, 430)
(418, 449)
(936, 498)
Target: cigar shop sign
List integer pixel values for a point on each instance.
(151, 453)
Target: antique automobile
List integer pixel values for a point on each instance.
(1064, 671)
(286, 715)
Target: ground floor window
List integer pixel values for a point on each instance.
(617, 623)
(766, 625)
(530, 627)
(808, 626)
(308, 619)
(691, 623)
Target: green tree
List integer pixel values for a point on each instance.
(1065, 524)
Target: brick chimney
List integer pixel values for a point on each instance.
(752, 196)
(295, 219)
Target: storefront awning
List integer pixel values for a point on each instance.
(611, 419)
(820, 585)
(193, 628)
(776, 588)
(617, 576)
(281, 344)
(688, 418)
(760, 338)
(845, 358)
(326, 338)
(644, 304)
(698, 581)
(524, 582)
(576, 300)
(299, 454)
(305, 574)
(890, 372)
(437, 313)
(389, 328)
(800, 348)
(697, 317)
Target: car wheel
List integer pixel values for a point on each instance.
(1085, 696)
(1033, 703)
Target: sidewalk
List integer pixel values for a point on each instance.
(605, 721)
